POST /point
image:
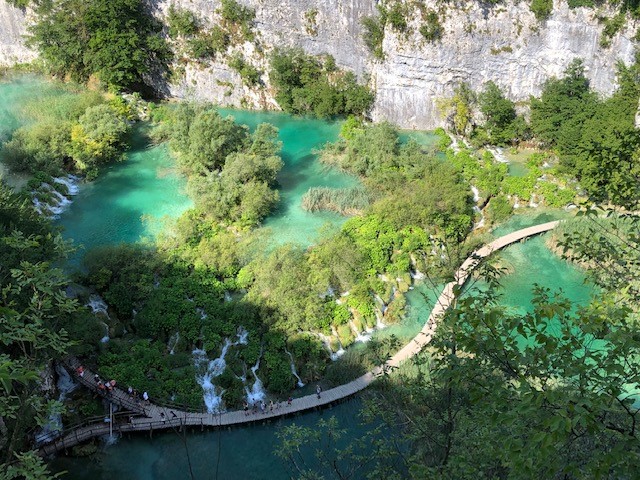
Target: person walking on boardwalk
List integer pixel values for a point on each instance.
(318, 390)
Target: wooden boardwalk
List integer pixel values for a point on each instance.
(154, 417)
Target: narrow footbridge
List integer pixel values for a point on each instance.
(148, 417)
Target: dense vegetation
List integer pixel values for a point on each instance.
(295, 300)
(595, 140)
(550, 398)
(231, 172)
(38, 324)
(305, 84)
(69, 132)
(118, 42)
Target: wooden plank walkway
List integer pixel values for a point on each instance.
(154, 417)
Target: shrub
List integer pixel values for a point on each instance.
(542, 9)
(499, 209)
(373, 35)
(250, 75)
(432, 29)
(304, 85)
(396, 16)
(118, 41)
(181, 22)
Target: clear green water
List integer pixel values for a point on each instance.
(14, 92)
(129, 200)
(301, 171)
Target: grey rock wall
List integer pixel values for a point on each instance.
(505, 44)
(12, 29)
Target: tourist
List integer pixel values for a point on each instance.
(130, 391)
(101, 387)
(163, 417)
(246, 408)
(263, 406)
(173, 414)
(96, 378)
(318, 390)
(289, 401)
(80, 371)
(112, 384)
(271, 406)
(145, 397)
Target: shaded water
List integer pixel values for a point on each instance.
(242, 453)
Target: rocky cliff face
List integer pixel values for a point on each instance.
(505, 44)
(12, 29)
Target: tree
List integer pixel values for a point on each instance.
(34, 314)
(499, 112)
(118, 41)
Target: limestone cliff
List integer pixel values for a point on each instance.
(12, 29)
(505, 44)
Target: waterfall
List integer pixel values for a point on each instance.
(99, 307)
(480, 224)
(53, 427)
(476, 193)
(498, 154)
(417, 275)
(365, 336)
(379, 323)
(71, 182)
(58, 201)
(257, 393)
(207, 370)
(293, 369)
(383, 306)
(476, 207)
(173, 342)
(327, 344)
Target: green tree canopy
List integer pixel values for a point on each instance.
(117, 41)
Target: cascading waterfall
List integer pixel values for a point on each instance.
(99, 308)
(207, 370)
(53, 427)
(476, 207)
(58, 201)
(293, 369)
(173, 342)
(257, 393)
(498, 154)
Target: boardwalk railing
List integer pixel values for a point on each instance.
(155, 417)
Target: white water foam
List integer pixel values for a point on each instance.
(257, 393)
(498, 153)
(293, 370)
(53, 428)
(207, 370)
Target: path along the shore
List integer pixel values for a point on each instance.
(150, 417)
